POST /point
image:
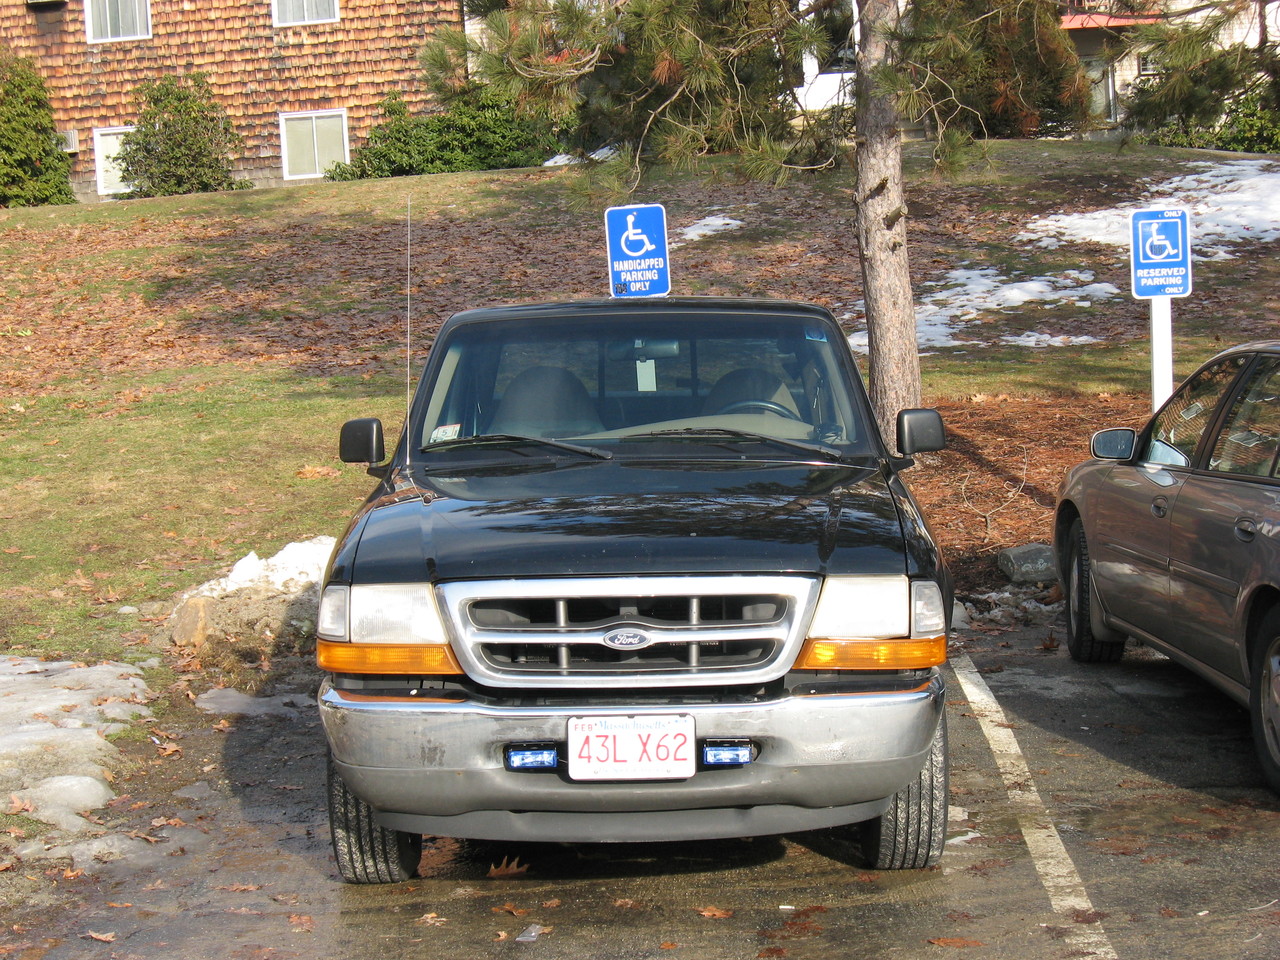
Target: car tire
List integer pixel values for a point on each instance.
(1087, 640)
(911, 833)
(367, 852)
(1264, 697)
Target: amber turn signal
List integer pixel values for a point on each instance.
(384, 658)
(901, 654)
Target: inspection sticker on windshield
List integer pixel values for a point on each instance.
(449, 431)
(632, 748)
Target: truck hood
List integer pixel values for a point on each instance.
(620, 517)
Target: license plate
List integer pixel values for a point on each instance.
(632, 748)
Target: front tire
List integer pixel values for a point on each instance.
(1087, 640)
(911, 833)
(1264, 698)
(367, 852)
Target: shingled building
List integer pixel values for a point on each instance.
(300, 79)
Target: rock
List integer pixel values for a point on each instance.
(190, 622)
(1031, 563)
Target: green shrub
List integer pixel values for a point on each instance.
(478, 132)
(182, 142)
(33, 168)
(1249, 127)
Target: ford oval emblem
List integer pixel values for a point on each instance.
(627, 639)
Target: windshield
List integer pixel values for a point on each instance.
(623, 385)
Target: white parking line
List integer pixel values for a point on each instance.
(1052, 862)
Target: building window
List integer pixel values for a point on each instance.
(313, 142)
(287, 12)
(106, 145)
(117, 20)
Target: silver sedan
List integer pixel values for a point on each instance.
(1171, 534)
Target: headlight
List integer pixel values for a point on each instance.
(382, 628)
(876, 623)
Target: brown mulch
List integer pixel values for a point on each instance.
(996, 484)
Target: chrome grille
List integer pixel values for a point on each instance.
(575, 633)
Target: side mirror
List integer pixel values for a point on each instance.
(920, 431)
(1115, 444)
(361, 441)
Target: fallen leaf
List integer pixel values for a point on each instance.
(101, 937)
(956, 942)
(318, 473)
(301, 923)
(169, 750)
(432, 920)
(715, 913)
(241, 887)
(18, 805)
(1088, 916)
(510, 908)
(551, 904)
(505, 869)
(668, 945)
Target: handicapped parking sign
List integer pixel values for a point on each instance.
(1160, 253)
(636, 238)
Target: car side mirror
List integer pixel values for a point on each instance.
(361, 441)
(1115, 444)
(920, 431)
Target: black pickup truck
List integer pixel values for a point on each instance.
(636, 570)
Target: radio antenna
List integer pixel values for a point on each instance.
(408, 321)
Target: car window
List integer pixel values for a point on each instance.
(1177, 429)
(624, 380)
(1250, 435)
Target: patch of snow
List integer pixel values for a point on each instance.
(1039, 340)
(294, 568)
(224, 700)
(568, 159)
(705, 227)
(1229, 202)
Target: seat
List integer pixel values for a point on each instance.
(546, 402)
(750, 390)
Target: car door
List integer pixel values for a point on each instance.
(1223, 533)
(1128, 519)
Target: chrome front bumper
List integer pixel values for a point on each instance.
(438, 767)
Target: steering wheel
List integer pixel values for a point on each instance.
(769, 406)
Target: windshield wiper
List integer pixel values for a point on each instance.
(825, 451)
(595, 452)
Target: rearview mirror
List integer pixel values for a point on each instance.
(1114, 444)
(920, 431)
(361, 441)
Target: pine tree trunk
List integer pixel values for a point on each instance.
(880, 216)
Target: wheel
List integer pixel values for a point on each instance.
(1087, 639)
(1264, 697)
(768, 405)
(910, 834)
(367, 852)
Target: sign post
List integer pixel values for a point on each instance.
(636, 238)
(1160, 269)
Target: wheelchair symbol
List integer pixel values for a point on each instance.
(1156, 246)
(634, 237)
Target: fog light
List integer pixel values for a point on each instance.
(726, 753)
(531, 757)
